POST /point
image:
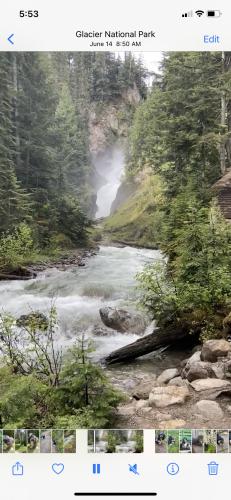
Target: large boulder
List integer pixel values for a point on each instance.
(214, 349)
(198, 370)
(122, 321)
(193, 359)
(143, 389)
(210, 384)
(161, 397)
(209, 409)
(178, 381)
(167, 375)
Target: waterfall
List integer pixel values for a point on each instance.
(110, 166)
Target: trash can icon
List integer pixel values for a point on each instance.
(213, 468)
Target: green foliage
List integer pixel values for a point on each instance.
(41, 389)
(29, 345)
(16, 247)
(45, 168)
(111, 442)
(71, 220)
(84, 387)
(139, 441)
(139, 220)
(24, 401)
(197, 282)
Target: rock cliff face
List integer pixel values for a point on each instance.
(108, 125)
(109, 122)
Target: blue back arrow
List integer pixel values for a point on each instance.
(10, 39)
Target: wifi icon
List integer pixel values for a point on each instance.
(199, 13)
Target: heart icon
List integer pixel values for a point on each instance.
(58, 468)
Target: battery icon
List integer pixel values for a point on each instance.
(214, 13)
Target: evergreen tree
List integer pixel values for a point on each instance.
(14, 205)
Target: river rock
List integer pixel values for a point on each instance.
(142, 403)
(214, 349)
(126, 411)
(178, 381)
(176, 423)
(122, 320)
(193, 359)
(219, 369)
(210, 384)
(143, 389)
(227, 368)
(198, 370)
(101, 331)
(36, 320)
(161, 397)
(145, 411)
(209, 409)
(167, 375)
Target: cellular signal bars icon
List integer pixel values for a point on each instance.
(188, 14)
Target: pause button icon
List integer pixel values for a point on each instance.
(96, 468)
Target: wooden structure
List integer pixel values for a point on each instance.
(223, 191)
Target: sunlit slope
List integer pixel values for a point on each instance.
(138, 220)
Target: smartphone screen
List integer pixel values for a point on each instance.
(115, 250)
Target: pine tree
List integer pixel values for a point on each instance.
(14, 205)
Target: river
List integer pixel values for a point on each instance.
(108, 278)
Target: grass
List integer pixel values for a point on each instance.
(175, 447)
(138, 221)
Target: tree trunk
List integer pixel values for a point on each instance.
(147, 344)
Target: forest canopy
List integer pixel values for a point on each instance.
(45, 159)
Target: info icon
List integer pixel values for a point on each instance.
(173, 469)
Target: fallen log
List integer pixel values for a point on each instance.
(17, 274)
(7, 277)
(147, 344)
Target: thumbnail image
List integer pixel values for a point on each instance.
(45, 441)
(8, 441)
(21, 443)
(115, 441)
(185, 441)
(33, 441)
(57, 441)
(70, 441)
(115, 171)
(222, 441)
(197, 441)
(91, 441)
(161, 441)
(1, 440)
(173, 441)
(210, 441)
